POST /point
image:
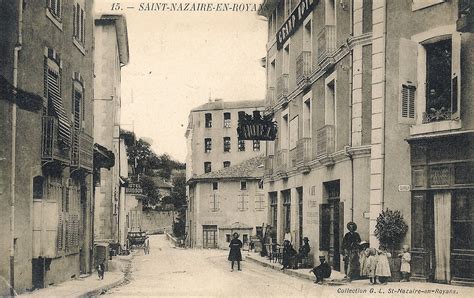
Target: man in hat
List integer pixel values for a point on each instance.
(350, 244)
(303, 251)
(322, 271)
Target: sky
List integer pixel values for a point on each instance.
(179, 59)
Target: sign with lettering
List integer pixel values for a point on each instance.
(256, 127)
(404, 187)
(294, 21)
(134, 189)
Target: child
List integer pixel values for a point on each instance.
(363, 246)
(383, 267)
(322, 271)
(405, 267)
(101, 270)
(371, 265)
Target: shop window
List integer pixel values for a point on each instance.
(226, 144)
(227, 120)
(256, 145)
(207, 167)
(208, 120)
(241, 145)
(207, 145)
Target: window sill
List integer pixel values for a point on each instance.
(435, 127)
(79, 46)
(54, 19)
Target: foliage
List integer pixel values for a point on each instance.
(390, 229)
(150, 191)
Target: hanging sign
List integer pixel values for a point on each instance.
(256, 127)
(134, 189)
(294, 21)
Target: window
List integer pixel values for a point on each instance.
(226, 144)
(207, 145)
(207, 167)
(243, 203)
(215, 185)
(285, 140)
(38, 187)
(294, 137)
(307, 116)
(256, 145)
(286, 59)
(241, 145)
(330, 98)
(227, 238)
(241, 114)
(245, 238)
(259, 202)
(214, 202)
(227, 120)
(273, 209)
(208, 120)
(55, 8)
(243, 185)
(287, 210)
(78, 31)
(226, 164)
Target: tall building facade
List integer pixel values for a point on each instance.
(46, 150)
(372, 100)
(111, 54)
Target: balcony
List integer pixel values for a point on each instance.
(282, 87)
(52, 147)
(325, 138)
(326, 46)
(82, 151)
(303, 154)
(269, 165)
(303, 68)
(281, 163)
(270, 98)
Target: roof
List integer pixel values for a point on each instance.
(250, 168)
(160, 183)
(220, 104)
(120, 23)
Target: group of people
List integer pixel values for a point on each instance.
(361, 260)
(291, 258)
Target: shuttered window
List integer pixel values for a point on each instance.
(78, 23)
(55, 8)
(408, 101)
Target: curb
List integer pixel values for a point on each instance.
(334, 282)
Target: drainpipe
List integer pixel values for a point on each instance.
(13, 148)
(349, 154)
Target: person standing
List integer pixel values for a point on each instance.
(382, 271)
(234, 253)
(350, 244)
(405, 263)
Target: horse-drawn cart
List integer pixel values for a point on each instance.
(138, 239)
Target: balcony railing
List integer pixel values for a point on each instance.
(52, 148)
(326, 43)
(269, 165)
(303, 150)
(281, 161)
(82, 150)
(303, 66)
(282, 86)
(293, 157)
(270, 99)
(325, 140)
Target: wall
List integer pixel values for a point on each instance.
(158, 221)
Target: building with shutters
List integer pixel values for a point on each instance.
(111, 54)
(46, 150)
(226, 201)
(372, 100)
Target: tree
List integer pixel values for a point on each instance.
(150, 191)
(390, 229)
(178, 196)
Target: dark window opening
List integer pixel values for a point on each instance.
(38, 187)
(215, 185)
(207, 167)
(208, 120)
(226, 164)
(226, 144)
(256, 145)
(227, 120)
(241, 145)
(207, 145)
(243, 185)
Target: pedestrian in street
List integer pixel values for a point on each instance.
(303, 251)
(350, 244)
(382, 270)
(289, 254)
(234, 253)
(405, 263)
(101, 270)
(363, 254)
(322, 271)
(372, 265)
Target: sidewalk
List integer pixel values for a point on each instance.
(90, 285)
(335, 279)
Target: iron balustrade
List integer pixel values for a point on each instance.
(52, 147)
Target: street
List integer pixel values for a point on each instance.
(184, 272)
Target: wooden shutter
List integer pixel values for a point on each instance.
(324, 222)
(407, 77)
(341, 224)
(456, 75)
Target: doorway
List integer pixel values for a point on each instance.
(209, 236)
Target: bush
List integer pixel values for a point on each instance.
(390, 229)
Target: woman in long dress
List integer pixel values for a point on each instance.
(234, 253)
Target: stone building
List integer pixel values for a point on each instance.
(226, 201)
(46, 150)
(373, 104)
(111, 54)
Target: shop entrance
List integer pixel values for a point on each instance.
(209, 236)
